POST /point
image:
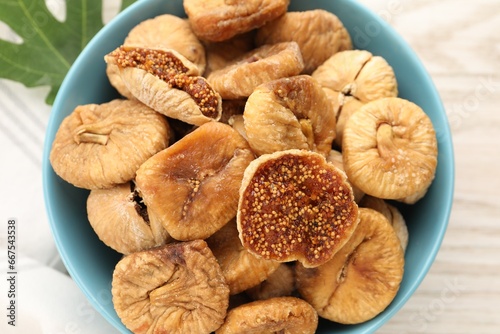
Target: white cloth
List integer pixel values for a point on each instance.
(47, 299)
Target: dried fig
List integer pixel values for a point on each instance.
(276, 315)
(289, 113)
(121, 220)
(362, 279)
(177, 288)
(355, 77)
(192, 186)
(241, 268)
(167, 82)
(392, 214)
(390, 150)
(320, 34)
(280, 283)
(266, 63)
(100, 146)
(219, 20)
(295, 206)
(335, 158)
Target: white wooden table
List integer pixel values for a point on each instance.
(459, 43)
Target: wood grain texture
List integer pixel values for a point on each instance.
(459, 44)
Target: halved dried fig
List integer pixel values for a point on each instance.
(276, 315)
(163, 31)
(219, 20)
(167, 82)
(320, 34)
(392, 214)
(295, 206)
(362, 279)
(280, 283)
(241, 268)
(289, 113)
(266, 63)
(390, 150)
(192, 186)
(100, 146)
(335, 157)
(177, 288)
(121, 220)
(355, 77)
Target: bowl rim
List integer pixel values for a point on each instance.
(445, 134)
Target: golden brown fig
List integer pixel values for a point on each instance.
(177, 288)
(100, 146)
(335, 158)
(280, 283)
(392, 214)
(219, 20)
(320, 34)
(121, 220)
(269, 62)
(192, 186)
(241, 268)
(167, 82)
(295, 206)
(353, 78)
(390, 150)
(362, 278)
(277, 315)
(289, 113)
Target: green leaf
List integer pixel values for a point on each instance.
(49, 46)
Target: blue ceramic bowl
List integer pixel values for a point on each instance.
(91, 263)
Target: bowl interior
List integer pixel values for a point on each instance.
(91, 263)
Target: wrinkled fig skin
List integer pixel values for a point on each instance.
(295, 206)
(390, 150)
(363, 277)
(269, 62)
(100, 146)
(192, 187)
(319, 34)
(119, 220)
(276, 315)
(289, 113)
(221, 54)
(220, 20)
(241, 268)
(177, 288)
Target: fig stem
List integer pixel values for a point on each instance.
(385, 141)
(89, 137)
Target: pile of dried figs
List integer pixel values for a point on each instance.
(246, 172)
